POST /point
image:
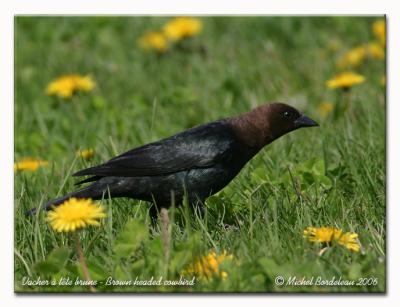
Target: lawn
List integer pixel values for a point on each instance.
(333, 175)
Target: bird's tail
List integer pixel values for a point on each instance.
(83, 193)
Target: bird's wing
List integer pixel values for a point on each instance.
(198, 147)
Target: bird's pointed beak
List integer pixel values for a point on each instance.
(304, 121)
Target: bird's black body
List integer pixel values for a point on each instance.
(197, 162)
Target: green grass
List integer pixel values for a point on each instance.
(330, 176)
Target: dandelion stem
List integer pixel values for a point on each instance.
(81, 257)
(165, 235)
(346, 100)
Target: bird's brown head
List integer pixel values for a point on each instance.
(268, 122)
(282, 118)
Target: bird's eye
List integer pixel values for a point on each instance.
(287, 114)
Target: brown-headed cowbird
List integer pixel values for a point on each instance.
(199, 161)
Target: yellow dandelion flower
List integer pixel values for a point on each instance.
(86, 153)
(375, 51)
(182, 27)
(65, 86)
(322, 234)
(154, 40)
(379, 29)
(353, 57)
(349, 240)
(324, 109)
(345, 80)
(329, 235)
(74, 214)
(29, 164)
(85, 83)
(209, 266)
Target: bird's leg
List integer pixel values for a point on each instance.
(165, 234)
(154, 215)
